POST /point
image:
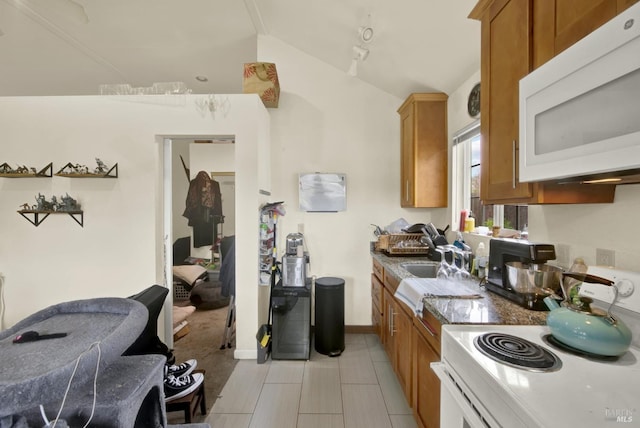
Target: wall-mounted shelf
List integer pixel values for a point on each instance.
(24, 172)
(72, 170)
(36, 217)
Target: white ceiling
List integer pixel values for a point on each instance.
(49, 47)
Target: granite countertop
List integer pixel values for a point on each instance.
(490, 309)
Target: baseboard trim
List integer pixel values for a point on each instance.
(355, 329)
(359, 329)
(245, 354)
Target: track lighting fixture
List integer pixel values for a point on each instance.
(366, 34)
(359, 55)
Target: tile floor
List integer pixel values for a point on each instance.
(356, 389)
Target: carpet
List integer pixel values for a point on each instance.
(203, 343)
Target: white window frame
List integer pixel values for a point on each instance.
(461, 176)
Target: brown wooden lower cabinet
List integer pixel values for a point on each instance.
(397, 341)
(403, 327)
(426, 385)
(388, 339)
(376, 305)
(412, 344)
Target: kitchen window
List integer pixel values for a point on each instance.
(466, 185)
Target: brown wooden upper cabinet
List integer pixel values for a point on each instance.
(561, 23)
(424, 149)
(516, 37)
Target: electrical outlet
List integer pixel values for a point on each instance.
(605, 257)
(301, 228)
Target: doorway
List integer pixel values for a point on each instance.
(185, 158)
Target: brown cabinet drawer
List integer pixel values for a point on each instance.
(376, 291)
(376, 320)
(378, 270)
(430, 328)
(391, 282)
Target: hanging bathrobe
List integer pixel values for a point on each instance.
(203, 206)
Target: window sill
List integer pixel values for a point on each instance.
(504, 233)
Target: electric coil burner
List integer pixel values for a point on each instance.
(550, 340)
(480, 388)
(517, 352)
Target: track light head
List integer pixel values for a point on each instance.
(359, 55)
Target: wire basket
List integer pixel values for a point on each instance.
(402, 243)
(180, 293)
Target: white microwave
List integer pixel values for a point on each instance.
(580, 112)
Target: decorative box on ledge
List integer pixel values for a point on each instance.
(262, 78)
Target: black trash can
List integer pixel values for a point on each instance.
(329, 316)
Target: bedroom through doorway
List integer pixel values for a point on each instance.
(202, 225)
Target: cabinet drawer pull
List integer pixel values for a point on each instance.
(432, 331)
(391, 321)
(513, 173)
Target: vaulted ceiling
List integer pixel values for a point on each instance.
(71, 47)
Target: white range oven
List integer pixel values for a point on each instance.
(484, 385)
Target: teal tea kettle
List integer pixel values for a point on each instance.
(578, 325)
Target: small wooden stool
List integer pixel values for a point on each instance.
(189, 403)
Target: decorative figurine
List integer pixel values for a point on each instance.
(70, 169)
(43, 204)
(101, 168)
(80, 169)
(5, 168)
(68, 204)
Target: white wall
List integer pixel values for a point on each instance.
(119, 251)
(582, 228)
(329, 122)
(228, 196)
(457, 107)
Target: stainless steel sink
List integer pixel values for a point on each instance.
(422, 269)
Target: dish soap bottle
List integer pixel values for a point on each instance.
(470, 223)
